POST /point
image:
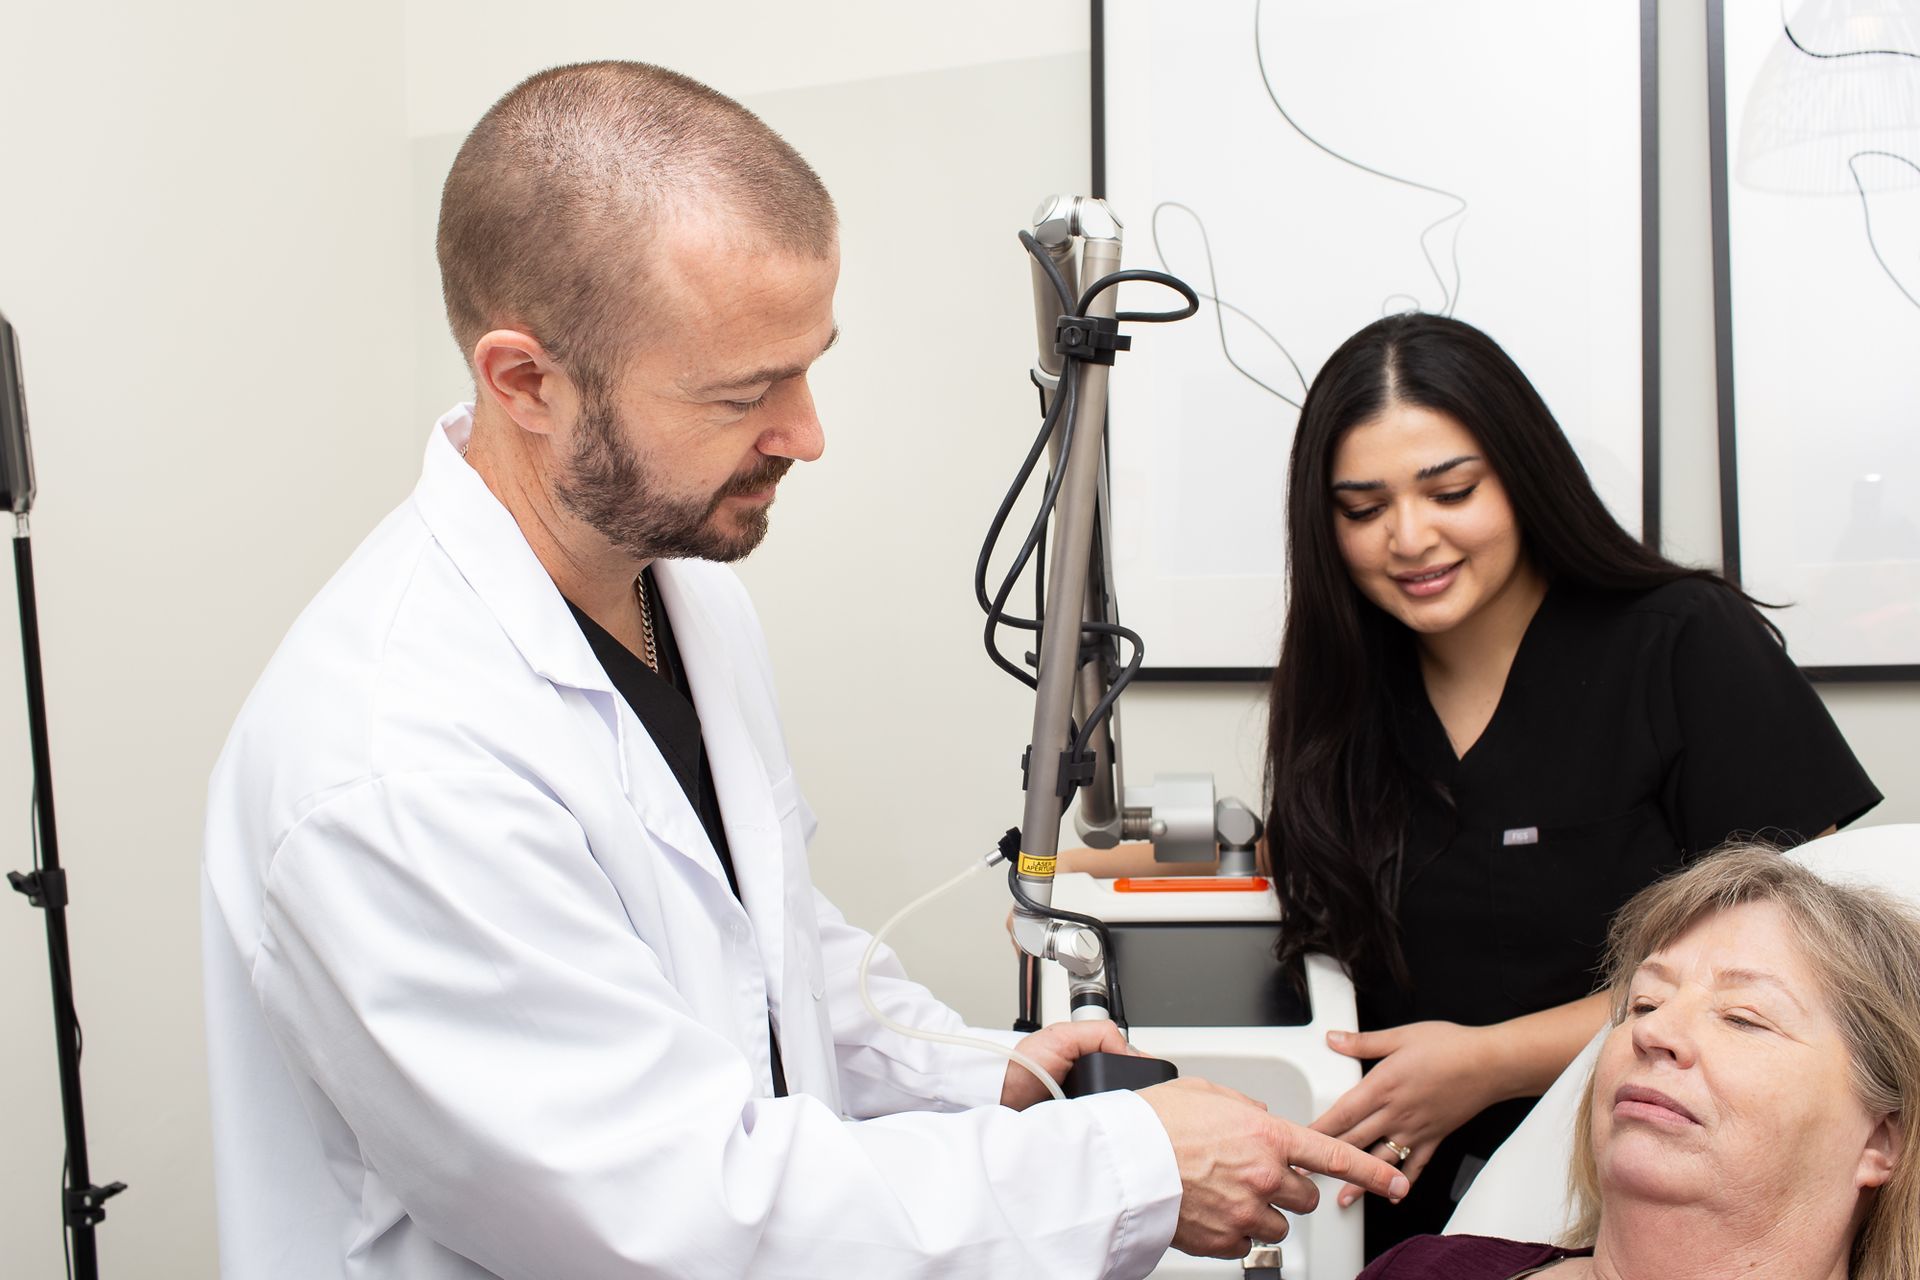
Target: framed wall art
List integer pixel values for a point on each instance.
(1815, 119)
(1311, 165)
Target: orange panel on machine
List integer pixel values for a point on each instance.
(1190, 884)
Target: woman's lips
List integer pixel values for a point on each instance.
(1428, 582)
(1637, 1102)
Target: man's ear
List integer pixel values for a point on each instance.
(513, 371)
(1883, 1151)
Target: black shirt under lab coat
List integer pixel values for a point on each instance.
(1636, 731)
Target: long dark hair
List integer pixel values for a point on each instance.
(1338, 792)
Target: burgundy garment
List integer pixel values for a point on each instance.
(1463, 1258)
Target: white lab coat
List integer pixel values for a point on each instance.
(479, 999)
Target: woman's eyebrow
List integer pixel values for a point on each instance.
(1757, 978)
(1726, 978)
(1424, 473)
(1440, 468)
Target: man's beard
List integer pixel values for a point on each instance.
(626, 502)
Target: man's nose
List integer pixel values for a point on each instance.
(797, 433)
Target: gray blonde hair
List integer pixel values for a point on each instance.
(551, 208)
(1863, 945)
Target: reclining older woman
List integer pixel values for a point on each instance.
(1749, 1111)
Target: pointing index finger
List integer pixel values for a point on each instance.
(1321, 1154)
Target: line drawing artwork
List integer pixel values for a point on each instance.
(1450, 297)
(1456, 216)
(1866, 213)
(1310, 166)
(1221, 306)
(1853, 160)
(1794, 40)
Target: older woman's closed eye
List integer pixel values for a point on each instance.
(1749, 1111)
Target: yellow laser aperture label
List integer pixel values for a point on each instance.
(1032, 866)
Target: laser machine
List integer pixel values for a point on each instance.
(1185, 963)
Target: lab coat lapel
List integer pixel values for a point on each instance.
(740, 775)
(486, 545)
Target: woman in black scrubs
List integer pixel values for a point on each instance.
(1496, 716)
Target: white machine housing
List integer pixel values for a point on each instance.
(1291, 1069)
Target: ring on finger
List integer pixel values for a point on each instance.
(1400, 1153)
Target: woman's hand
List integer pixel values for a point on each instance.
(1430, 1078)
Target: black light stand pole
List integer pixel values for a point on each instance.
(81, 1202)
(46, 888)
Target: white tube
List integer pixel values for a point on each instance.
(942, 1037)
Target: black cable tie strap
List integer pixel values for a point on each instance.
(1076, 770)
(44, 888)
(1094, 339)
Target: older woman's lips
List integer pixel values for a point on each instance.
(1637, 1102)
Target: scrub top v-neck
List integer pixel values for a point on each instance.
(663, 703)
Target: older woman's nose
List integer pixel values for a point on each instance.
(1666, 1032)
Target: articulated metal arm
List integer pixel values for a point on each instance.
(1080, 239)
(1074, 591)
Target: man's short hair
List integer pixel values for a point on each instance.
(549, 215)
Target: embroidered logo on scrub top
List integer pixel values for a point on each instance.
(1520, 835)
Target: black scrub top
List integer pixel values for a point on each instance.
(1636, 731)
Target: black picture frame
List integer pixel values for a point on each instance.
(1651, 478)
(1723, 323)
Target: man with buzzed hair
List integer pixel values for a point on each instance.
(513, 962)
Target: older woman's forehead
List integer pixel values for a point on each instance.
(1751, 944)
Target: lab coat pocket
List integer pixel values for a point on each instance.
(1554, 890)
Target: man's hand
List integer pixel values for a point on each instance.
(1431, 1078)
(1237, 1162)
(1056, 1048)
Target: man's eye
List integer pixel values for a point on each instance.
(746, 406)
(1455, 495)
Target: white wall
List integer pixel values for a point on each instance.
(216, 240)
(203, 246)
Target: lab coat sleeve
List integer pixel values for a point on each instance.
(881, 1071)
(525, 1080)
